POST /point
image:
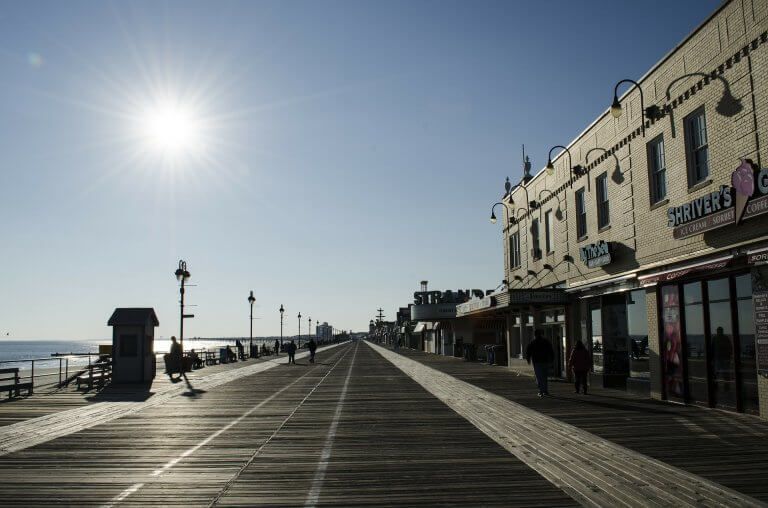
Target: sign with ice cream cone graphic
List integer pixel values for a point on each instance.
(747, 197)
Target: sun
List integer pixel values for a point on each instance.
(172, 129)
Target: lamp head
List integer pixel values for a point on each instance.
(616, 107)
(550, 167)
(251, 298)
(179, 274)
(493, 217)
(281, 308)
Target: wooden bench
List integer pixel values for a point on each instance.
(211, 358)
(97, 373)
(14, 387)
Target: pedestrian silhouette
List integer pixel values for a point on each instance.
(312, 348)
(277, 346)
(291, 350)
(580, 363)
(173, 360)
(539, 351)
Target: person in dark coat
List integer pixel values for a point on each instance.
(312, 348)
(291, 350)
(539, 352)
(580, 364)
(173, 360)
(240, 350)
(277, 346)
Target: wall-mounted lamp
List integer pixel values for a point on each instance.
(616, 110)
(549, 267)
(577, 170)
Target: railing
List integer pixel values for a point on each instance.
(62, 372)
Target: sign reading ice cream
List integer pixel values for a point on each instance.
(747, 197)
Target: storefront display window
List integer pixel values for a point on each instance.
(596, 330)
(637, 331)
(746, 322)
(672, 367)
(695, 350)
(721, 345)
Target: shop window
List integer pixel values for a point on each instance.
(536, 250)
(514, 250)
(721, 344)
(695, 350)
(603, 213)
(549, 231)
(657, 169)
(581, 214)
(671, 345)
(637, 331)
(748, 365)
(697, 147)
(596, 334)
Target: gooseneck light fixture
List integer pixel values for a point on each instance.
(616, 110)
(574, 170)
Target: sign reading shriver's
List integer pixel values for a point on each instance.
(747, 197)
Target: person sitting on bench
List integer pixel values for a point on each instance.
(197, 362)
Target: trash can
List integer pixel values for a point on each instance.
(133, 344)
(489, 354)
(499, 354)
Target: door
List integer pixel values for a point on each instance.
(722, 363)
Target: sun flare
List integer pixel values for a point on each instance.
(172, 129)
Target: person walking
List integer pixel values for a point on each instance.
(580, 364)
(312, 348)
(539, 352)
(277, 347)
(173, 362)
(291, 350)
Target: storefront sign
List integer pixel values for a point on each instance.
(537, 296)
(475, 305)
(758, 258)
(596, 254)
(747, 197)
(459, 296)
(434, 312)
(760, 302)
(650, 280)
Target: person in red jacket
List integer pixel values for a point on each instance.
(580, 364)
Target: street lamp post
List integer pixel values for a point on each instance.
(299, 345)
(281, 326)
(309, 329)
(182, 275)
(251, 299)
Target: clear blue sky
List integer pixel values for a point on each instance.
(352, 148)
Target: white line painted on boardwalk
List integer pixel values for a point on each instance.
(234, 478)
(35, 431)
(317, 482)
(592, 470)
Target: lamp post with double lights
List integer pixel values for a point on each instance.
(281, 326)
(299, 345)
(251, 300)
(182, 275)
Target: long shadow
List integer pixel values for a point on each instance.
(123, 393)
(191, 390)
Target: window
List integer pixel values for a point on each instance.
(514, 250)
(657, 168)
(581, 214)
(697, 148)
(536, 252)
(549, 233)
(603, 215)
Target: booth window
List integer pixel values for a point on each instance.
(581, 214)
(603, 213)
(697, 148)
(514, 250)
(129, 345)
(657, 168)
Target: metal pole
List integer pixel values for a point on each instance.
(281, 330)
(299, 331)
(181, 318)
(251, 351)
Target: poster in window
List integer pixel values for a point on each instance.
(671, 347)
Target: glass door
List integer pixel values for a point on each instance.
(695, 350)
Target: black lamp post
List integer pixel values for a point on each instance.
(299, 345)
(182, 275)
(309, 330)
(252, 299)
(281, 326)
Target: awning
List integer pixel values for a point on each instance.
(682, 271)
(419, 327)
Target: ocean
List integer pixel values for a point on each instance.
(12, 350)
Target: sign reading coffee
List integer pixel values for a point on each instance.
(747, 197)
(596, 254)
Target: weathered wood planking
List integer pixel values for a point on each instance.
(394, 445)
(727, 448)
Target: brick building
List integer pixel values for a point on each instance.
(645, 238)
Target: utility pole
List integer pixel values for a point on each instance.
(381, 316)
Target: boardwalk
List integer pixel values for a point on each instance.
(362, 427)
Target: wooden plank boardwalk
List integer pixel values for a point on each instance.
(350, 430)
(726, 448)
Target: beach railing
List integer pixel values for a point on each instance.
(42, 375)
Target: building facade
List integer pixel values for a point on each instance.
(647, 238)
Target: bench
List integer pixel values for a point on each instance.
(211, 358)
(97, 373)
(14, 388)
